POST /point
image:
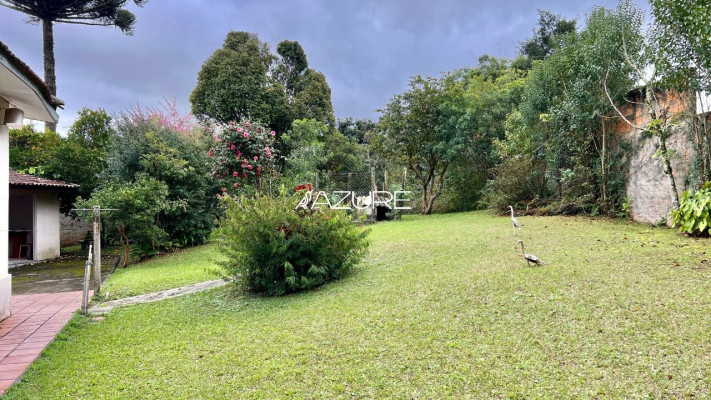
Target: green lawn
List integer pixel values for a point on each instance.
(444, 307)
(184, 267)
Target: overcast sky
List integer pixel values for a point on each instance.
(367, 49)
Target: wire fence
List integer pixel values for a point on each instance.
(361, 183)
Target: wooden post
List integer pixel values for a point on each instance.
(386, 185)
(85, 294)
(97, 249)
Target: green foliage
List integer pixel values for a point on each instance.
(546, 35)
(694, 213)
(418, 130)
(681, 39)
(81, 157)
(30, 149)
(144, 147)
(357, 130)
(566, 102)
(275, 249)
(243, 81)
(138, 206)
(86, 12)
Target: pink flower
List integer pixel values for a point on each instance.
(236, 185)
(233, 147)
(249, 166)
(217, 139)
(235, 173)
(256, 158)
(224, 189)
(272, 133)
(246, 134)
(239, 129)
(266, 148)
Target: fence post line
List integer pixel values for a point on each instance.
(97, 248)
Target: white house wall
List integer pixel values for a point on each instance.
(46, 232)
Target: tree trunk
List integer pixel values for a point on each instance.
(603, 166)
(668, 170)
(50, 77)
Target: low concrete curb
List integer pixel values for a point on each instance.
(103, 308)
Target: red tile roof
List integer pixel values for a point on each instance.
(18, 179)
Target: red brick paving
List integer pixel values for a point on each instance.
(35, 321)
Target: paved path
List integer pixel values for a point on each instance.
(103, 308)
(35, 321)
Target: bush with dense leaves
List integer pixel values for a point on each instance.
(273, 248)
(694, 213)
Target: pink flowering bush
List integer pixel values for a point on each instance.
(243, 156)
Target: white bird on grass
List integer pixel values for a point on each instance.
(516, 225)
(530, 258)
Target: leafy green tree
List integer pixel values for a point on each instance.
(81, 157)
(550, 29)
(31, 151)
(567, 102)
(680, 47)
(681, 40)
(356, 130)
(416, 132)
(138, 206)
(84, 12)
(293, 64)
(305, 150)
(486, 95)
(145, 147)
(244, 81)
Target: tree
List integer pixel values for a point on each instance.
(416, 131)
(567, 102)
(550, 28)
(681, 37)
(84, 12)
(244, 81)
(681, 46)
(137, 208)
(144, 147)
(356, 130)
(81, 157)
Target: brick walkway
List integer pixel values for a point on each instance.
(35, 321)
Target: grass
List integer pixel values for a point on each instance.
(184, 267)
(444, 307)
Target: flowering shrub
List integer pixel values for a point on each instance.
(275, 249)
(243, 155)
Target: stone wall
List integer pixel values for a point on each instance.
(648, 188)
(72, 230)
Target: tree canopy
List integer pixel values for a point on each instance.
(244, 81)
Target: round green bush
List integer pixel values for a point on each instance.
(274, 249)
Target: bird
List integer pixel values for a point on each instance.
(530, 258)
(516, 225)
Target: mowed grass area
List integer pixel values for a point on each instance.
(443, 307)
(184, 267)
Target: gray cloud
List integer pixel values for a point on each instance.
(366, 49)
